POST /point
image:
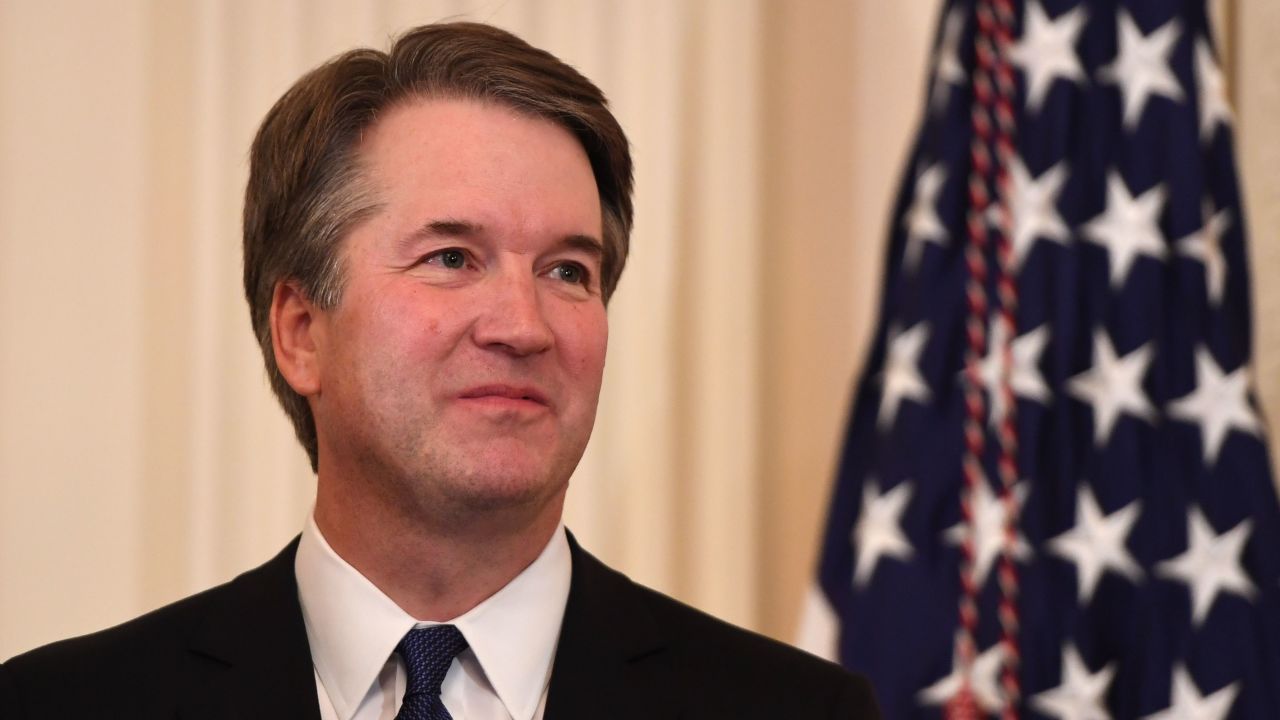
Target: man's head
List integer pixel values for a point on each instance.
(309, 185)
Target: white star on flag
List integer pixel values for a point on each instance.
(1034, 208)
(923, 224)
(878, 532)
(902, 379)
(1129, 226)
(1097, 543)
(1213, 104)
(984, 680)
(1189, 704)
(1205, 245)
(1047, 50)
(1211, 563)
(1142, 67)
(1113, 386)
(990, 519)
(1025, 379)
(1219, 404)
(1081, 694)
(947, 69)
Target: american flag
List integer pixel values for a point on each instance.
(1057, 410)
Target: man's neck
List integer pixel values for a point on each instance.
(432, 572)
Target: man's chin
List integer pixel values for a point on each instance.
(494, 495)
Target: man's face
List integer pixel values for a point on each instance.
(461, 369)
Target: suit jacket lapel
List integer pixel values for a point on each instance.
(611, 660)
(250, 657)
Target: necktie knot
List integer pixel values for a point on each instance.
(427, 654)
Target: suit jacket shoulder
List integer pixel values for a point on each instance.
(240, 651)
(629, 652)
(236, 650)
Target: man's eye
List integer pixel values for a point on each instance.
(570, 273)
(452, 259)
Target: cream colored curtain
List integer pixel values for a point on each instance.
(1255, 90)
(142, 456)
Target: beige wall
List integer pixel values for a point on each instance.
(1255, 92)
(844, 84)
(141, 455)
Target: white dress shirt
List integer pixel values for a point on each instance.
(354, 628)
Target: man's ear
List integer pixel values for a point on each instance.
(293, 338)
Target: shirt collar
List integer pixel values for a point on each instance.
(353, 627)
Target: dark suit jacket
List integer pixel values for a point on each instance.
(240, 651)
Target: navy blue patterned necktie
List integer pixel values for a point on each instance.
(427, 653)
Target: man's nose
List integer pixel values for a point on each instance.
(513, 319)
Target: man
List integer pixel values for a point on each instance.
(430, 239)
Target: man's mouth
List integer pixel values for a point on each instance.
(502, 392)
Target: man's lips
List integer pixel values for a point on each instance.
(502, 392)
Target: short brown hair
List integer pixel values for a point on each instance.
(306, 189)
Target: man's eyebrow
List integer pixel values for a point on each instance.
(447, 228)
(434, 229)
(585, 243)
(463, 229)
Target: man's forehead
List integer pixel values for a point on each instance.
(453, 167)
(437, 113)
(451, 135)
